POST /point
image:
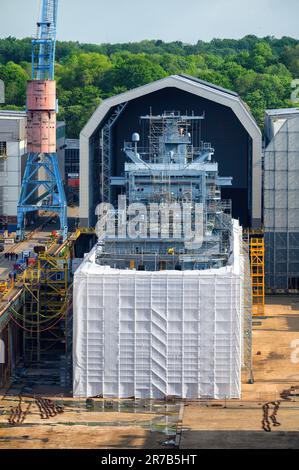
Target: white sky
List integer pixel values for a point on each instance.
(98, 21)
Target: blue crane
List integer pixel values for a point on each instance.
(43, 46)
(42, 186)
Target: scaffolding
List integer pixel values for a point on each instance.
(42, 309)
(158, 126)
(257, 264)
(152, 334)
(247, 308)
(46, 305)
(106, 153)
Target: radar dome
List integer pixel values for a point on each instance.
(135, 137)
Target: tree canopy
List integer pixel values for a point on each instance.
(260, 70)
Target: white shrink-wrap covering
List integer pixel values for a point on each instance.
(151, 334)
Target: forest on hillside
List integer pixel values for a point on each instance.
(260, 70)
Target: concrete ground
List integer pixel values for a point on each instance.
(73, 211)
(103, 426)
(238, 425)
(198, 424)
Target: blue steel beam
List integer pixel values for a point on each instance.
(52, 198)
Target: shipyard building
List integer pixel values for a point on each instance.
(281, 200)
(13, 153)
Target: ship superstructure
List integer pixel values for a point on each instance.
(173, 192)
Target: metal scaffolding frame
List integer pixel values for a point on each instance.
(257, 263)
(106, 153)
(45, 194)
(46, 304)
(44, 309)
(247, 308)
(157, 128)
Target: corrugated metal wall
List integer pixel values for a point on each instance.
(281, 208)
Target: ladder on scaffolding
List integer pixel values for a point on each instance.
(257, 268)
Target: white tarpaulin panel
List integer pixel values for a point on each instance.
(151, 334)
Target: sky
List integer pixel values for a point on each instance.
(99, 21)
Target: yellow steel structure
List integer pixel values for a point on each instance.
(257, 268)
(46, 299)
(47, 287)
(45, 308)
(3, 287)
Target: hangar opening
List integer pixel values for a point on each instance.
(228, 126)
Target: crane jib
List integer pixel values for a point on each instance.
(43, 46)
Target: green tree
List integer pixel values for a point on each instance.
(132, 71)
(259, 69)
(76, 107)
(82, 70)
(15, 79)
(290, 58)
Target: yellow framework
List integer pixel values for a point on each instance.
(46, 300)
(47, 287)
(257, 268)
